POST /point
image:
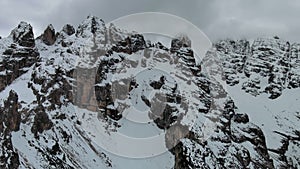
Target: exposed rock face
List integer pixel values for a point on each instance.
(130, 45)
(10, 119)
(233, 64)
(294, 73)
(54, 88)
(91, 26)
(194, 153)
(180, 41)
(49, 37)
(68, 29)
(23, 35)
(19, 56)
(101, 38)
(269, 65)
(63, 37)
(182, 47)
(41, 121)
(103, 93)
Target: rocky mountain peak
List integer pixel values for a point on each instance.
(240, 46)
(23, 35)
(269, 43)
(181, 45)
(181, 40)
(49, 37)
(18, 54)
(90, 26)
(68, 29)
(130, 44)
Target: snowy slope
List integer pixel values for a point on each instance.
(267, 72)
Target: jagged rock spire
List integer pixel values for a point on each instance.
(23, 35)
(181, 40)
(68, 29)
(90, 26)
(49, 37)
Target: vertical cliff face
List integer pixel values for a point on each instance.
(269, 65)
(294, 58)
(18, 54)
(10, 120)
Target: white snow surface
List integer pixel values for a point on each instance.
(271, 115)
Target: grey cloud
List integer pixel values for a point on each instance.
(218, 19)
(250, 19)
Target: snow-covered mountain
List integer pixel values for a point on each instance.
(67, 99)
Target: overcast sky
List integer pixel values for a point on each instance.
(218, 19)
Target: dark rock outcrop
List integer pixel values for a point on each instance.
(19, 56)
(16, 62)
(41, 121)
(180, 41)
(182, 47)
(68, 29)
(23, 35)
(10, 120)
(130, 45)
(53, 87)
(49, 37)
